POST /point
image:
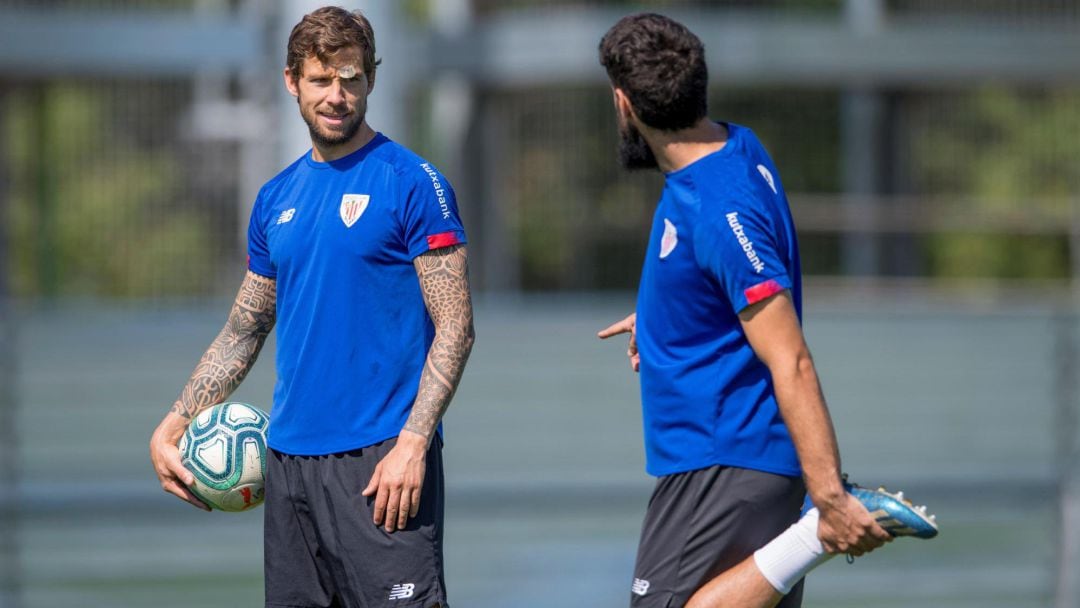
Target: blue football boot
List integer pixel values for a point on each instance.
(895, 513)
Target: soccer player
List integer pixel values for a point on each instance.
(357, 253)
(736, 427)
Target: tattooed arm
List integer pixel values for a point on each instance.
(222, 367)
(232, 354)
(396, 483)
(444, 282)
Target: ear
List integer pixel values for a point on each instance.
(623, 107)
(291, 84)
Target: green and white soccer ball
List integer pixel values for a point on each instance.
(224, 447)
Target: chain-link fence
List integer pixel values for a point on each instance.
(929, 150)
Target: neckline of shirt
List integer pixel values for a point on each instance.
(349, 159)
(726, 150)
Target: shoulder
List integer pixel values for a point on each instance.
(732, 200)
(743, 179)
(408, 167)
(756, 166)
(272, 187)
(727, 182)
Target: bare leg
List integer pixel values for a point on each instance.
(740, 587)
(762, 579)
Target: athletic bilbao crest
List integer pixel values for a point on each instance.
(352, 207)
(669, 240)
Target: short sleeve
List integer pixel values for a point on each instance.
(258, 250)
(431, 219)
(739, 249)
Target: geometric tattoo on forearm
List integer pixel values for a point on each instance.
(444, 281)
(232, 354)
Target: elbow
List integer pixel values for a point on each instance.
(797, 367)
(804, 364)
(468, 339)
(459, 338)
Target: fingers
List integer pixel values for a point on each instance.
(414, 506)
(870, 534)
(393, 506)
(831, 547)
(881, 534)
(395, 500)
(377, 488)
(620, 327)
(382, 498)
(174, 478)
(373, 484)
(178, 487)
(176, 468)
(404, 509)
(183, 493)
(844, 546)
(874, 537)
(399, 505)
(861, 538)
(379, 510)
(613, 330)
(866, 543)
(402, 503)
(627, 325)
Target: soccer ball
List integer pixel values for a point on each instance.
(224, 447)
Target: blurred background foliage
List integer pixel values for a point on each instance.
(1014, 154)
(100, 208)
(111, 196)
(102, 198)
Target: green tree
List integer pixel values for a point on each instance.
(1014, 156)
(94, 211)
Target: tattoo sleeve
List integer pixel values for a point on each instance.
(444, 281)
(231, 355)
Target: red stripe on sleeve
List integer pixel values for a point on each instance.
(761, 291)
(443, 239)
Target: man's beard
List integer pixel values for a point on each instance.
(330, 140)
(634, 151)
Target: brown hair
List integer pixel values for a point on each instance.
(324, 32)
(660, 65)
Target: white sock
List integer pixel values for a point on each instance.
(788, 557)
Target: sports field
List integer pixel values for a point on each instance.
(545, 467)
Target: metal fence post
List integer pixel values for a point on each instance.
(10, 583)
(862, 115)
(1067, 352)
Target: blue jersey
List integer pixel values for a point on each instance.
(352, 329)
(722, 239)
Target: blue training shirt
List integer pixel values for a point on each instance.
(352, 328)
(722, 239)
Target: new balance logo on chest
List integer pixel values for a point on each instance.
(286, 216)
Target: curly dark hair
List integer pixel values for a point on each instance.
(660, 65)
(326, 31)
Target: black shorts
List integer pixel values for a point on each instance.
(322, 548)
(703, 522)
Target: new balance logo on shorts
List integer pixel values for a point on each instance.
(640, 586)
(402, 591)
